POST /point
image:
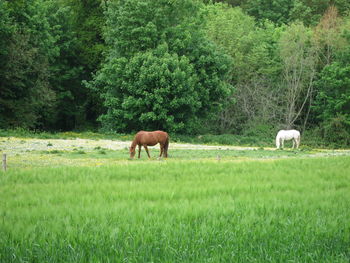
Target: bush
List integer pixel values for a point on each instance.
(337, 130)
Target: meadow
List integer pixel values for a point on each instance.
(92, 204)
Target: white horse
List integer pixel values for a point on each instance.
(283, 135)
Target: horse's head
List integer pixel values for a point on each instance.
(132, 152)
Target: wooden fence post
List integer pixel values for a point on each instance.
(4, 162)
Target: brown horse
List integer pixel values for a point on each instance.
(144, 138)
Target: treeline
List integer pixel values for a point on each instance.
(245, 67)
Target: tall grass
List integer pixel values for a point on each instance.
(294, 210)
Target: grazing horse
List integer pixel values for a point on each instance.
(283, 135)
(144, 138)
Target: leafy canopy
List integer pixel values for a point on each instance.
(161, 71)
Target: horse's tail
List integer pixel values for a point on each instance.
(166, 146)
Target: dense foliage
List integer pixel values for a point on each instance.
(243, 67)
(43, 62)
(161, 72)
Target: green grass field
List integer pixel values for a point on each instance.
(250, 206)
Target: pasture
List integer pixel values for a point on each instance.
(85, 201)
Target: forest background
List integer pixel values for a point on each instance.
(245, 67)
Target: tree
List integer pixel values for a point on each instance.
(285, 12)
(161, 72)
(25, 90)
(310, 12)
(47, 48)
(255, 68)
(299, 68)
(327, 37)
(77, 26)
(276, 11)
(332, 101)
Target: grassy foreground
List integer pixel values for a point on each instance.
(289, 210)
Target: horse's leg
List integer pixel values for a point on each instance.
(282, 143)
(161, 150)
(294, 143)
(298, 142)
(145, 146)
(166, 146)
(139, 151)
